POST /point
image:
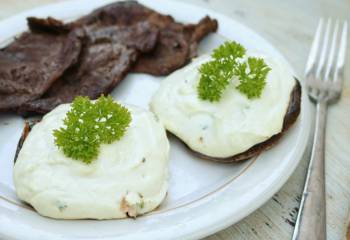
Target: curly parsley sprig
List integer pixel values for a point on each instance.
(227, 62)
(252, 81)
(88, 125)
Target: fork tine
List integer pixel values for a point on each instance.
(324, 49)
(342, 51)
(314, 48)
(330, 66)
(325, 65)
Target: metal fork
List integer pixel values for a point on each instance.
(324, 81)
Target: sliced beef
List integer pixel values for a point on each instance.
(117, 38)
(102, 66)
(108, 54)
(30, 65)
(177, 45)
(196, 32)
(141, 36)
(121, 13)
(177, 42)
(171, 53)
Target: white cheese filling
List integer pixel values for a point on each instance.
(129, 176)
(232, 125)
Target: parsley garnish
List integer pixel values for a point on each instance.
(227, 62)
(88, 125)
(252, 82)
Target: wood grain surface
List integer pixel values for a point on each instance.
(289, 25)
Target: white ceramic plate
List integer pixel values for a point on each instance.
(203, 198)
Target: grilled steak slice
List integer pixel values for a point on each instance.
(121, 13)
(102, 66)
(107, 56)
(114, 36)
(172, 52)
(141, 36)
(289, 119)
(177, 42)
(196, 32)
(30, 65)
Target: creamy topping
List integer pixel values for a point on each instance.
(129, 177)
(231, 125)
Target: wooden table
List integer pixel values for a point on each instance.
(289, 25)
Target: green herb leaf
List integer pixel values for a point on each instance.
(252, 82)
(88, 125)
(227, 62)
(215, 77)
(229, 51)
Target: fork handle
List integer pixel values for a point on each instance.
(311, 221)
